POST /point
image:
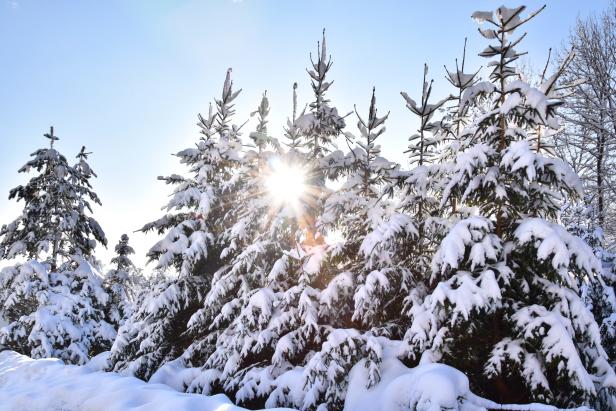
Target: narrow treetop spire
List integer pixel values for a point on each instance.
(323, 48)
(83, 155)
(51, 137)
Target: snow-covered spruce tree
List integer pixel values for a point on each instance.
(600, 298)
(291, 131)
(54, 224)
(195, 214)
(121, 283)
(276, 326)
(318, 129)
(375, 235)
(369, 280)
(86, 231)
(503, 304)
(297, 325)
(192, 243)
(420, 183)
(57, 314)
(457, 115)
(581, 220)
(55, 302)
(259, 229)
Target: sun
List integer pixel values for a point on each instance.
(285, 183)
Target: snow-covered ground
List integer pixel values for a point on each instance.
(49, 385)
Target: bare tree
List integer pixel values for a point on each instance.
(588, 140)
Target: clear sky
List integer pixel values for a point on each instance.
(127, 78)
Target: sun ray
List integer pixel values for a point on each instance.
(286, 185)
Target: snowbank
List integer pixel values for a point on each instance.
(428, 387)
(49, 385)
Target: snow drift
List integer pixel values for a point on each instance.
(49, 385)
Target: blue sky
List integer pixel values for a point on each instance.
(127, 78)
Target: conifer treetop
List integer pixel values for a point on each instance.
(52, 138)
(54, 224)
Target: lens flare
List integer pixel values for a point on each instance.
(286, 184)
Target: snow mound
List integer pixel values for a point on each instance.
(49, 385)
(426, 387)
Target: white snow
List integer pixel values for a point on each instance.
(49, 385)
(428, 387)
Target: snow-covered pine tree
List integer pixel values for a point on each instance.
(600, 298)
(374, 234)
(322, 124)
(422, 145)
(196, 209)
(581, 220)
(226, 328)
(55, 302)
(276, 270)
(456, 116)
(295, 328)
(364, 296)
(318, 129)
(291, 131)
(87, 232)
(121, 283)
(503, 304)
(54, 224)
(419, 184)
(192, 244)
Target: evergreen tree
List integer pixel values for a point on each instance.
(87, 232)
(59, 314)
(291, 131)
(420, 183)
(581, 220)
(369, 280)
(54, 224)
(318, 129)
(259, 228)
(193, 242)
(55, 302)
(121, 283)
(198, 202)
(262, 315)
(511, 268)
(452, 130)
(322, 124)
(375, 233)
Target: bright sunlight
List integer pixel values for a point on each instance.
(286, 184)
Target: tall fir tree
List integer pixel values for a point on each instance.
(54, 303)
(54, 224)
(122, 283)
(510, 268)
(318, 129)
(226, 329)
(420, 182)
(193, 233)
(374, 232)
(263, 308)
